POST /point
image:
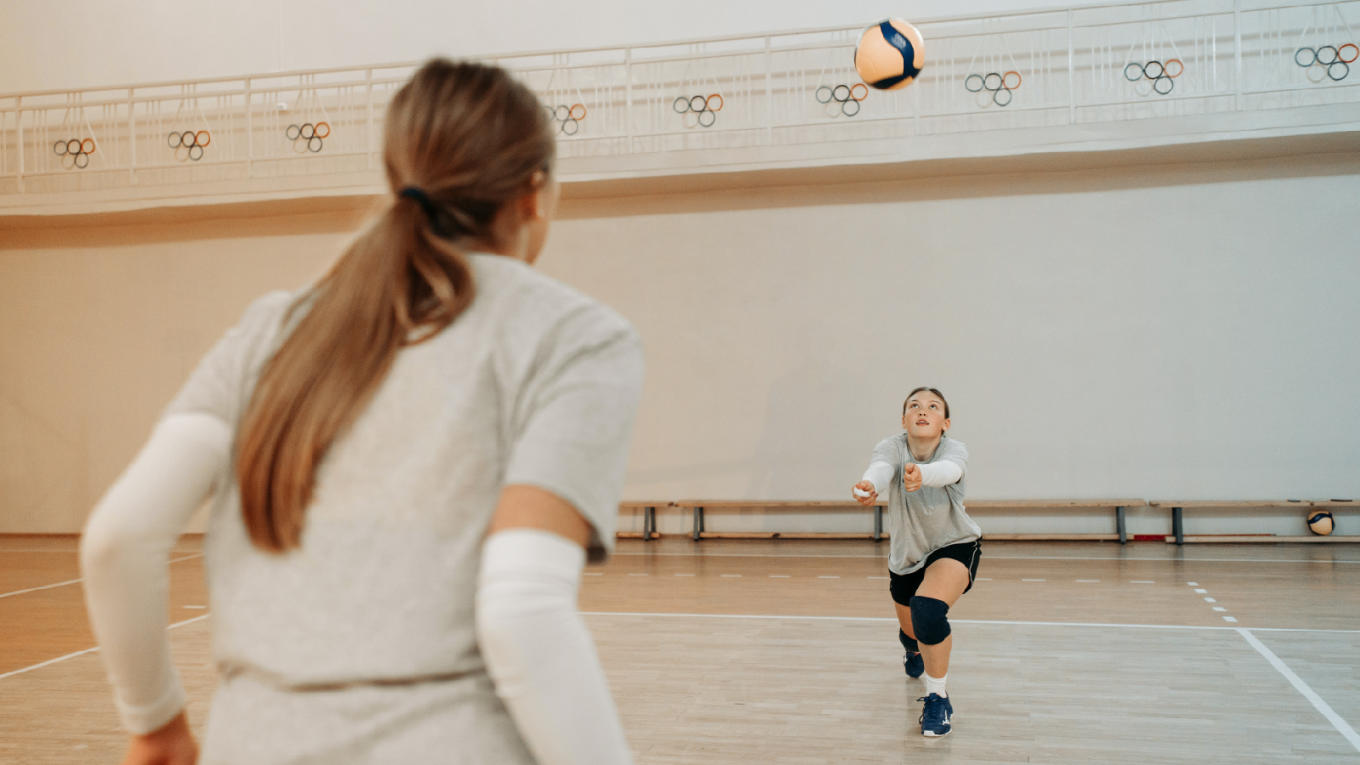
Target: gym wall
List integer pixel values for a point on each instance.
(1160, 331)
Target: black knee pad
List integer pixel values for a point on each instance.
(909, 643)
(928, 619)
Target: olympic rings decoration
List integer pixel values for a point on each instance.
(74, 152)
(308, 136)
(1332, 60)
(188, 145)
(1162, 74)
(1001, 85)
(841, 100)
(704, 108)
(568, 118)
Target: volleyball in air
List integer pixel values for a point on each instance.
(890, 54)
(1320, 523)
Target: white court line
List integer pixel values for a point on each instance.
(780, 576)
(1141, 581)
(73, 550)
(1218, 609)
(1167, 560)
(1341, 725)
(730, 576)
(826, 576)
(1002, 622)
(1034, 580)
(78, 581)
(883, 556)
(1193, 584)
(50, 662)
(1089, 581)
(44, 587)
(683, 575)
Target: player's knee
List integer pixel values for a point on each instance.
(928, 619)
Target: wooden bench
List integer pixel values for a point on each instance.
(648, 508)
(1119, 506)
(1178, 508)
(699, 505)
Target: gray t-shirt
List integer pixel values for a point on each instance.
(923, 521)
(533, 384)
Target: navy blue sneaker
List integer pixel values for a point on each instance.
(913, 663)
(936, 714)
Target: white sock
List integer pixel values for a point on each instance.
(936, 685)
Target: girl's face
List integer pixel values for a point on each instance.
(925, 416)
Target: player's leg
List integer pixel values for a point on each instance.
(947, 576)
(944, 583)
(903, 587)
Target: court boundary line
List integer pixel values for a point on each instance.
(95, 649)
(73, 549)
(1342, 727)
(1002, 622)
(884, 556)
(81, 579)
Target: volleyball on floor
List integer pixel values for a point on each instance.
(1320, 523)
(890, 54)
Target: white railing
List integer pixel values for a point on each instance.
(625, 110)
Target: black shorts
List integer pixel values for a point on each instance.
(903, 586)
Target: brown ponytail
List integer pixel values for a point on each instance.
(468, 139)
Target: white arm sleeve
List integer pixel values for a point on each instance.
(940, 473)
(880, 475)
(123, 557)
(538, 652)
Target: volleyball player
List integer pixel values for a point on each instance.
(410, 461)
(934, 547)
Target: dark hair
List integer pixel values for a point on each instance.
(462, 141)
(936, 391)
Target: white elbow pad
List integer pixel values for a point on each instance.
(880, 474)
(538, 652)
(940, 473)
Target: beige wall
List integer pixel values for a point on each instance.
(100, 324)
(1183, 330)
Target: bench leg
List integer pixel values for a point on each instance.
(698, 521)
(1178, 525)
(1120, 525)
(648, 523)
(878, 522)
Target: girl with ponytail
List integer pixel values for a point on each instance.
(409, 463)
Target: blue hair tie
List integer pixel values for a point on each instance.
(422, 199)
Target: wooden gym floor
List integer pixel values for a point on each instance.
(785, 651)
